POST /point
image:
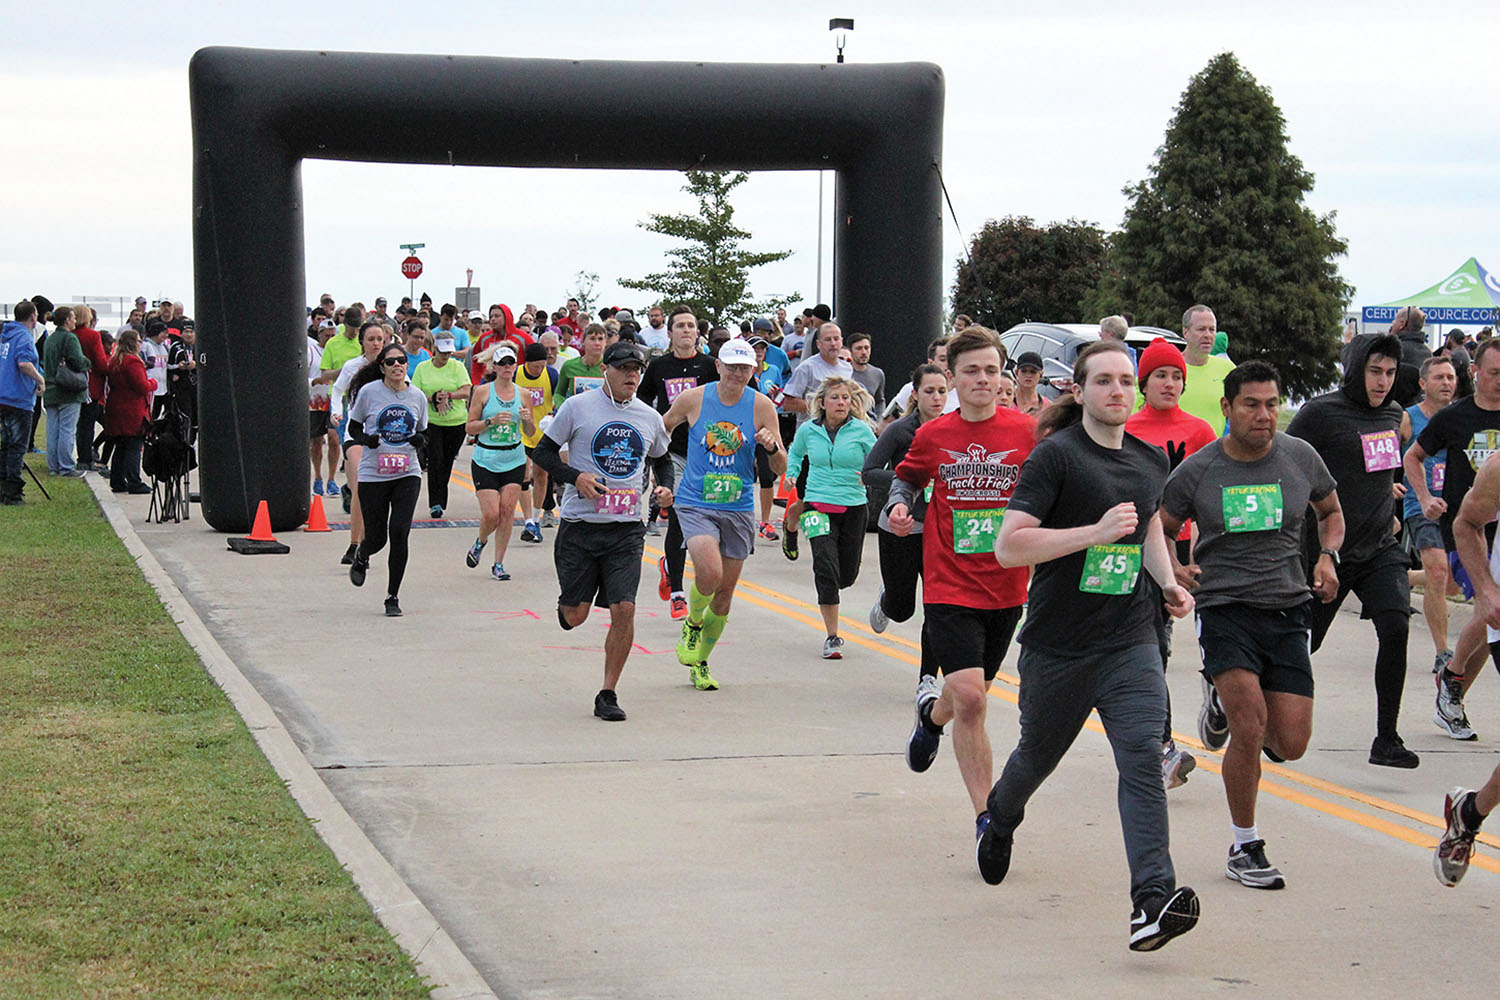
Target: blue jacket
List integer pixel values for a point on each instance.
(16, 346)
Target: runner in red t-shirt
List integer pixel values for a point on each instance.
(970, 602)
(1162, 373)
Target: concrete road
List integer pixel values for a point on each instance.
(767, 839)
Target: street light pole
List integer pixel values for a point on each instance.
(841, 26)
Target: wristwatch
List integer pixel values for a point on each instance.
(1330, 553)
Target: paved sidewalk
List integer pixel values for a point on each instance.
(767, 840)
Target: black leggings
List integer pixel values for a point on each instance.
(900, 568)
(390, 500)
(836, 555)
(676, 552)
(442, 448)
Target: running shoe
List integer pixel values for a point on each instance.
(607, 707)
(653, 529)
(1248, 866)
(1213, 725)
(789, 543)
(349, 555)
(1390, 751)
(679, 607)
(317, 487)
(878, 618)
(333, 489)
(531, 533)
(1176, 765)
(1158, 919)
(664, 585)
(702, 679)
(992, 853)
(475, 551)
(435, 511)
(1442, 661)
(1272, 755)
(549, 519)
(1450, 862)
(392, 608)
(981, 824)
(357, 569)
(833, 648)
(1450, 716)
(768, 531)
(922, 745)
(348, 496)
(690, 646)
(498, 572)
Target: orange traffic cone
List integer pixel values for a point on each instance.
(261, 532)
(786, 490)
(317, 521)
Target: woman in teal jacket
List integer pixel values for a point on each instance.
(827, 458)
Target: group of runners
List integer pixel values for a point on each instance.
(1098, 523)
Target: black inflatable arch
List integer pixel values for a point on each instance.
(258, 113)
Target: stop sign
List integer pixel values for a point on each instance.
(411, 267)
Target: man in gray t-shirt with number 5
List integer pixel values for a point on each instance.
(1248, 493)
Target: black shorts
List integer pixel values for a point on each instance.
(318, 419)
(598, 562)
(964, 638)
(484, 479)
(350, 443)
(1271, 643)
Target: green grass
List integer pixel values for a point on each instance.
(146, 846)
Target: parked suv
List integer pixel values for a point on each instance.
(1059, 344)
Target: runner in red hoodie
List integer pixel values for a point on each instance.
(1162, 373)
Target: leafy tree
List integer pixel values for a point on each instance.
(585, 284)
(1221, 220)
(711, 273)
(1017, 271)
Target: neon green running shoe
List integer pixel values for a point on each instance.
(702, 679)
(690, 646)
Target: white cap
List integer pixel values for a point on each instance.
(737, 352)
(444, 345)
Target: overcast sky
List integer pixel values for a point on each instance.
(1048, 115)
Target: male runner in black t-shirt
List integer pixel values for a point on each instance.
(1084, 513)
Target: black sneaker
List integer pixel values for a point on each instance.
(347, 496)
(1158, 919)
(789, 544)
(392, 608)
(357, 570)
(607, 707)
(1390, 751)
(1272, 755)
(993, 854)
(349, 555)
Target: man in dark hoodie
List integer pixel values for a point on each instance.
(1408, 329)
(1356, 431)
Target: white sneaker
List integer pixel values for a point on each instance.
(833, 648)
(1176, 765)
(878, 618)
(1450, 716)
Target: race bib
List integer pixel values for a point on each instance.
(1252, 508)
(1382, 451)
(1438, 471)
(504, 435)
(677, 386)
(621, 503)
(722, 487)
(536, 396)
(1110, 569)
(974, 530)
(392, 463)
(927, 493)
(815, 524)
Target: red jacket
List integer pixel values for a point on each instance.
(93, 349)
(128, 407)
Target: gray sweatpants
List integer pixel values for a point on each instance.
(1130, 692)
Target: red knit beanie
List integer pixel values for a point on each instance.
(1157, 353)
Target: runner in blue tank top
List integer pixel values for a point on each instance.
(1439, 382)
(715, 502)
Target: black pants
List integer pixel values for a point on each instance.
(125, 462)
(389, 502)
(836, 555)
(442, 448)
(1380, 583)
(89, 416)
(900, 568)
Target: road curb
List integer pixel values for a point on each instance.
(415, 929)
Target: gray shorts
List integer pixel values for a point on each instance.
(733, 529)
(1425, 534)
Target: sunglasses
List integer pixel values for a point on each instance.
(506, 361)
(392, 361)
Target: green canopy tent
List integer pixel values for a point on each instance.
(1470, 296)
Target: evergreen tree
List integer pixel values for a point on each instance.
(711, 274)
(1221, 221)
(1017, 271)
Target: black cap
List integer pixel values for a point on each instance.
(822, 312)
(623, 352)
(536, 352)
(1029, 359)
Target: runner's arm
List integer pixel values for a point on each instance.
(1480, 506)
(1330, 536)
(547, 456)
(1024, 542)
(768, 433)
(1160, 563)
(476, 423)
(1433, 507)
(682, 410)
(662, 471)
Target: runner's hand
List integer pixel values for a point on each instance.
(1179, 602)
(1187, 576)
(1325, 580)
(901, 520)
(588, 486)
(1117, 522)
(1486, 609)
(1434, 509)
(663, 497)
(766, 438)
(1398, 490)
